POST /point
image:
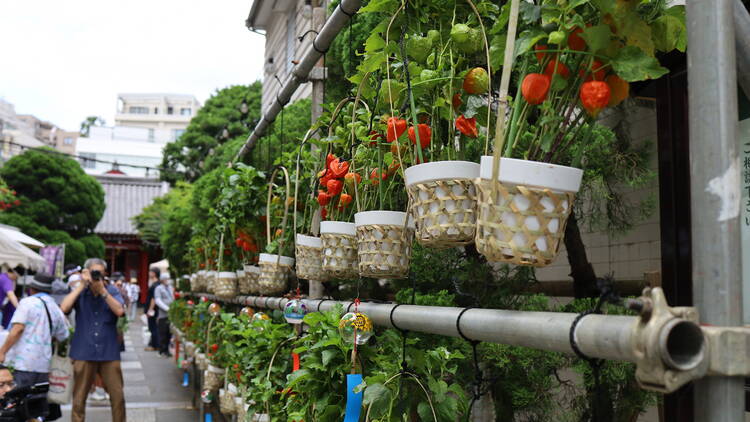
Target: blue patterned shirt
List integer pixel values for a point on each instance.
(95, 336)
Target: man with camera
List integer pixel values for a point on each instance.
(23, 403)
(95, 349)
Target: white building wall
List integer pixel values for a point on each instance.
(123, 151)
(630, 255)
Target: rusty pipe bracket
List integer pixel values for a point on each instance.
(670, 344)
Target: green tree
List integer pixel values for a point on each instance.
(59, 202)
(220, 121)
(91, 121)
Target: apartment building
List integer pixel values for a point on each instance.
(165, 115)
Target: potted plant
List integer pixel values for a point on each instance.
(571, 64)
(275, 268)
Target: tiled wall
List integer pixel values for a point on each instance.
(631, 254)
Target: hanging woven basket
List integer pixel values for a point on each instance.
(522, 217)
(226, 285)
(213, 378)
(201, 361)
(339, 249)
(274, 273)
(226, 399)
(443, 202)
(252, 273)
(384, 243)
(194, 283)
(189, 349)
(201, 282)
(210, 281)
(309, 257)
(240, 408)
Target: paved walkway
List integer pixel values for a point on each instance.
(153, 391)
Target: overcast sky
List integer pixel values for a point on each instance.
(65, 60)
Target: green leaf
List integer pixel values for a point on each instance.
(497, 51)
(638, 33)
(669, 33)
(388, 6)
(473, 104)
(378, 397)
(557, 37)
(372, 62)
(374, 42)
(597, 37)
(605, 6)
(572, 4)
(425, 412)
(633, 64)
(529, 12)
(327, 355)
(527, 39)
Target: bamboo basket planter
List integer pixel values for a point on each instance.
(240, 409)
(274, 273)
(210, 281)
(339, 240)
(201, 282)
(226, 399)
(522, 216)
(384, 241)
(252, 273)
(226, 285)
(213, 378)
(201, 361)
(443, 202)
(309, 257)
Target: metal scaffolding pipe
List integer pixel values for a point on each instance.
(742, 45)
(340, 16)
(610, 337)
(715, 190)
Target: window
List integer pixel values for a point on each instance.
(176, 133)
(138, 110)
(151, 135)
(87, 160)
(68, 141)
(186, 111)
(170, 110)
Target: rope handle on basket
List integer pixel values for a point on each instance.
(504, 83)
(286, 209)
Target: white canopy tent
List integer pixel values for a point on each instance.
(17, 235)
(14, 254)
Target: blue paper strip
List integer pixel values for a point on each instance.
(353, 400)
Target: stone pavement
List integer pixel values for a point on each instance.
(153, 390)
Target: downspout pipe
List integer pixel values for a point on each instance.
(338, 19)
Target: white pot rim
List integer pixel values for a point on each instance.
(441, 170)
(215, 369)
(211, 273)
(273, 258)
(240, 273)
(227, 274)
(534, 173)
(338, 227)
(252, 269)
(202, 272)
(311, 241)
(391, 218)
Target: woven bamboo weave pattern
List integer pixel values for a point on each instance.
(190, 349)
(339, 255)
(226, 403)
(194, 284)
(200, 283)
(212, 380)
(309, 262)
(273, 278)
(241, 409)
(252, 279)
(384, 250)
(523, 225)
(444, 212)
(210, 283)
(225, 287)
(243, 283)
(201, 362)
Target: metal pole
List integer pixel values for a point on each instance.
(322, 41)
(742, 44)
(715, 191)
(598, 336)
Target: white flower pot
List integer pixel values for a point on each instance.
(309, 253)
(339, 249)
(525, 223)
(274, 273)
(384, 243)
(443, 202)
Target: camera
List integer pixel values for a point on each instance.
(96, 275)
(24, 403)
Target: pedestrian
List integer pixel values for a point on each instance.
(73, 273)
(163, 296)
(94, 348)
(8, 295)
(153, 280)
(134, 291)
(6, 381)
(28, 348)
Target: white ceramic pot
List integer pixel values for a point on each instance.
(338, 227)
(533, 174)
(391, 218)
(384, 243)
(227, 275)
(311, 241)
(441, 170)
(252, 269)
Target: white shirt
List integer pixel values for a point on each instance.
(33, 351)
(133, 292)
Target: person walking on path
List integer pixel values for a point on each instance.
(28, 348)
(153, 279)
(8, 296)
(134, 291)
(163, 297)
(95, 349)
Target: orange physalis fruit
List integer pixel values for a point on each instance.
(535, 87)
